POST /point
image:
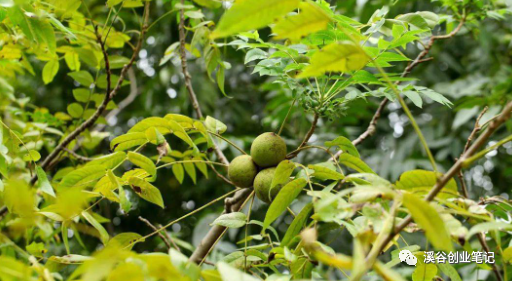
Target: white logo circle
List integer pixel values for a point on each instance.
(407, 257)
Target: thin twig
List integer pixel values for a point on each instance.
(109, 95)
(78, 156)
(165, 239)
(188, 80)
(481, 236)
(3, 212)
(474, 132)
(419, 59)
(233, 204)
(306, 137)
(480, 141)
(134, 93)
(241, 204)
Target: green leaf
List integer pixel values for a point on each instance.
(311, 18)
(37, 249)
(147, 191)
(72, 60)
(231, 220)
(345, 145)
(82, 94)
(414, 97)
(325, 173)
(125, 239)
(354, 163)
(109, 161)
(191, 170)
(179, 173)
(336, 57)
(75, 110)
(424, 272)
(420, 182)
(283, 199)
(32, 156)
(111, 3)
(489, 226)
(429, 220)
(449, 271)
(42, 182)
(282, 174)
(215, 125)
(50, 69)
(123, 200)
(86, 176)
(251, 14)
(255, 54)
(103, 233)
(221, 79)
(83, 77)
(128, 140)
(57, 24)
(154, 136)
(229, 273)
(212, 4)
(297, 224)
(387, 273)
(143, 162)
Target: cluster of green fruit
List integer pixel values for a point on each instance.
(258, 169)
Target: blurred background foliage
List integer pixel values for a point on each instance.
(472, 69)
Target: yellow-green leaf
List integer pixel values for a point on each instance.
(424, 272)
(103, 233)
(85, 176)
(43, 183)
(420, 182)
(345, 145)
(128, 140)
(178, 172)
(311, 18)
(282, 174)
(429, 220)
(50, 69)
(109, 161)
(147, 191)
(297, 224)
(283, 199)
(72, 60)
(143, 162)
(354, 163)
(324, 173)
(336, 57)
(252, 14)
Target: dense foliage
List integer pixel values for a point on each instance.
(387, 129)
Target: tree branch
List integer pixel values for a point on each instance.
(167, 240)
(134, 92)
(480, 141)
(109, 95)
(233, 204)
(306, 137)
(188, 81)
(77, 156)
(372, 127)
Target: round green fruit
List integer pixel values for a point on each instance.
(242, 170)
(268, 149)
(262, 184)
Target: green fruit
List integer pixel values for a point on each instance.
(268, 149)
(242, 170)
(262, 184)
